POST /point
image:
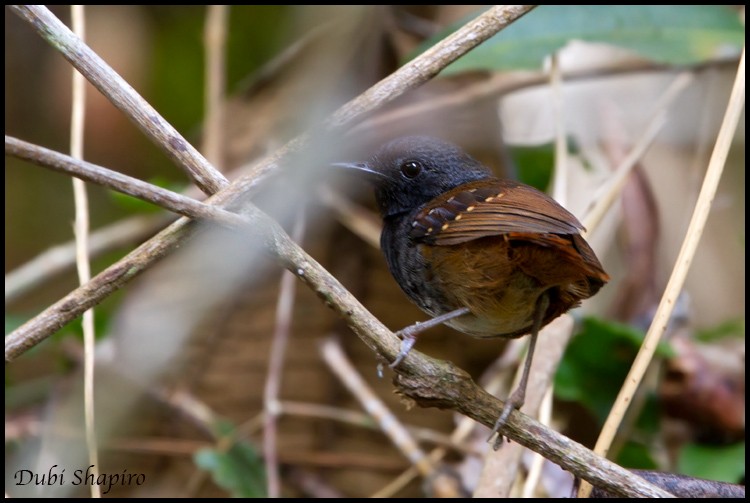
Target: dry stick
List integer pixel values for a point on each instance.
(123, 96)
(735, 107)
(340, 365)
(117, 181)
(59, 258)
(83, 264)
(407, 77)
(560, 177)
(427, 381)
(609, 192)
(491, 381)
(537, 463)
(356, 418)
(279, 342)
(429, 63)
(215, 37)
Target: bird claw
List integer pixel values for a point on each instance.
(407, 342)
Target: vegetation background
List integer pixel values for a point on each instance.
(183, 400)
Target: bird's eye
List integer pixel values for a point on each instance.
(410, 169)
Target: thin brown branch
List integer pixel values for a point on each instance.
(99, 175)
(443, 482)
(59, 258)
(123, 96)
(433, 383)
(356, 418)
(683, 486)
(340, 365)
(279, 343)
(215, 38)
(432, 61)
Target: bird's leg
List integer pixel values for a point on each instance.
(409, 334)
(516, 400)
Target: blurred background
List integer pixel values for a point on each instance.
(183, 352)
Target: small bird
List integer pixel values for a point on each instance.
(486, 256)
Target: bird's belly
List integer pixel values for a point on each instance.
(497, 310)
(509, 314)
(501, 297)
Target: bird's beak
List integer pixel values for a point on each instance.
(362, 167)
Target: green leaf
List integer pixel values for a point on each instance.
(677, 35)
(722, 463)
(239, 470)
(596, 363)
(535, 164)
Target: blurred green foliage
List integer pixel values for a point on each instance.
(591, 373)
(236, 468)
(636, 456)
(596, 363)
(722, 463)
(255, 35)
(729, 328)
(677, 35)
(536, 163)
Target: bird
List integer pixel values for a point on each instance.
(489, 257)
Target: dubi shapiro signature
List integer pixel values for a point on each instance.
(57, 476)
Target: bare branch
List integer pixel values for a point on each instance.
(99, 175)
(59, 258)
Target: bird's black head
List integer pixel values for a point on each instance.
(410, 171)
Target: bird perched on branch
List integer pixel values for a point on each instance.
(487, 257)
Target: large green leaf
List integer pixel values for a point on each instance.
(596, 363)
(677, 35)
